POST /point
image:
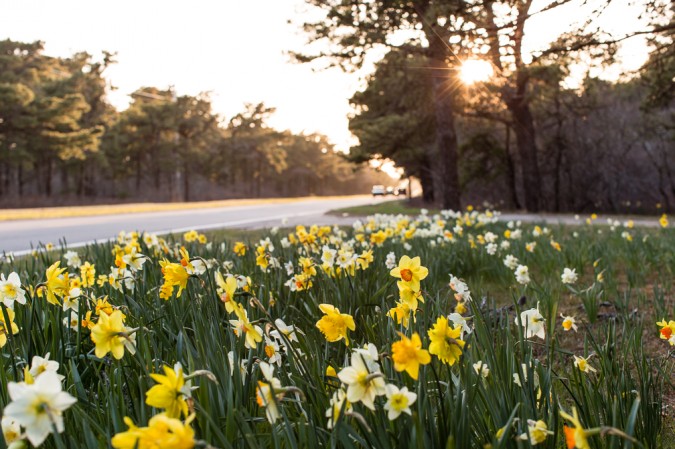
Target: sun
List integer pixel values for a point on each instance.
(475, 71)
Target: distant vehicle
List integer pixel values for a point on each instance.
(401, 191)
(390, 190)
(378, 191)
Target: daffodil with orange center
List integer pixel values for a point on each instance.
(226, 289)
(410, 271)
(667, 331)
(576, 436)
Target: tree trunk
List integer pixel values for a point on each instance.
(511, 169)
(186, 183)
(427, 183)
(48, 178)
(444, 155)
(523, 127)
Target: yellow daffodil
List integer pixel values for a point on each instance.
(175, 275)
(408, 355)
(401, 313)
(446, 343)
(56, 283)
(226, 290)
(667, 331)
(410, 271)
(243, 326)
(335, 325)
(6, 328)
(168, 393)
(239, 249)
(109, 335)
(162, 431)
(663, 221)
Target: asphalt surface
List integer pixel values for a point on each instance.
(21, 235)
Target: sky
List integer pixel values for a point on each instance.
(236, 50)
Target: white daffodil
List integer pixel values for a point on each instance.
(11, 430)
(511, 262)
(522, 274)
(569, 276)
(40, 365)
(11, 291)
(337, 402)
(363, 379)
(72, 259)
(39, 406)
(398, 401)
(532, 323)
(481, 369)
(459, 320)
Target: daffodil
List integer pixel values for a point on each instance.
(11, 290)
(667, 331)
(5, 327)
(56, 284)
(663, 221)
(335, 325)
(408, 355)
(569, 322)
(40, 365)
(537, 431)
(226, 289)
(401, 313)
(162, 432)
(242, 325)
(339, 405)
(363, 379)
(410, 271)
(169, 392)
(88, 274)
(398, 401)
(269, 392)
(569, 276)
(110, 335)
(481, 369)
(239, 248)
(446, 343)
(532, 323)
(11, 430)
(39, 406)
(583, 365)
(575, 436)
(175, 275)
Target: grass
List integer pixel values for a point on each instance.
(110, 209)
(392, 207)
(624, 286)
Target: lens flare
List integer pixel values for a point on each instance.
(475, 71)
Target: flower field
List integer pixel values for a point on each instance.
(439, 331)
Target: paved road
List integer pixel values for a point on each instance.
(21, 235)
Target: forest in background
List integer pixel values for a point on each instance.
(61, 142)
(524, 138)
